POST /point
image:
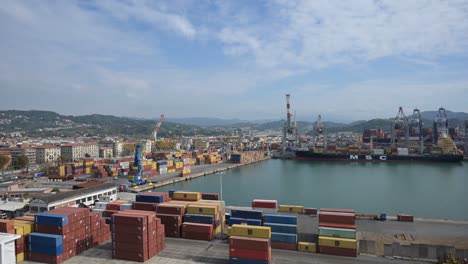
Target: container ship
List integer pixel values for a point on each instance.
(445, 151)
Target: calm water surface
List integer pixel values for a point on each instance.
(425, 190)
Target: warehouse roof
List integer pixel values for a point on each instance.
(50, 198)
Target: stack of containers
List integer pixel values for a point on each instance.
(246, 217)
(87, 165)
(99, 230)
(147, 201)
(78, 168)
(45, 248)
(162, 167)
(310, 211)
(23, 228)
(200, 221)
(112, 208)
(210, 196)
(337, 232)
(186, 166)
(283, 230)
(268, 206)
(100, 207)
(249, 244)
(171, 215)
(405, 218)
(136, 235)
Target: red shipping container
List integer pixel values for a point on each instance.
(210, 196)
(346, 252)
(144, 206)
(7, 226)
(167, 219)
(337, 210)
(132, 256)
(197, 236)
(113, 206)
(284, 245)
(125, 229)
(130, 247)
(109, 213)
(257, 203)
(151, 216)
(197, 228)
(310, 211)
(249, 243)
(333, 225)
(250, 254)
(128, 219)
(338, 218)
(45, 258)
(405, 218)
(48, 229)
(172, 209)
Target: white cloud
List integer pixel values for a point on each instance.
(318, 34)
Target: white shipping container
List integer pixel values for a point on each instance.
(125, 165)
(101, 205)
(7, 248)
(378, 151)
(126, 206)
(96, 210)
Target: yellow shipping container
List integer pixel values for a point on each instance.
(19, 230)
(337, 242)
(194, 196)
(20, 257)
(250, 231)
(307, 247)
(291, 208)
(202, 209)
(28, 227)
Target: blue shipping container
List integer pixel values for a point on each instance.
(200, 219)
(280, 219)
(51, 219)
(282, 228)
(247, 214)
(45, 244)
(240, 221)
(171, 193)
(283, 237)
(247, 261)
(149, 198)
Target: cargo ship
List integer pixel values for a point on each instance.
(444, 152)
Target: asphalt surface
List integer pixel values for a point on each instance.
(181, 251)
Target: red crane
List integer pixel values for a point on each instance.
(154, 134)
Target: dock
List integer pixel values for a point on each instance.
(199, 172)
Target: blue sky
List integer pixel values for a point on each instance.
(234, 59)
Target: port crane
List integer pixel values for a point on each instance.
(137, 179)
(154, 135)
(440, 125)
(416, 124)
(290, 134)
(400, 123)
(320, 130)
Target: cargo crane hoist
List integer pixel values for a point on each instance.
(416, 126)
(290, 133)
(400, 123)
(319, 130)
(137, 179)
(440, 125)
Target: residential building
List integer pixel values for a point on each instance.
(117, 149)
(46, 154)
(106, 153)
(26, 150)
(78, 151)
(200, 144)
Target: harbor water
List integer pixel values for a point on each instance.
(427, 190)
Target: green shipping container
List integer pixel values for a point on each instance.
(337, 232)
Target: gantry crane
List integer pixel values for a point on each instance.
(400, 123)
(415, 122)
(319, 130)
(440, 125)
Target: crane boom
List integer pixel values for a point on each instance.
(154, 134)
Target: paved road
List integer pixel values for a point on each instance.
(182, 251)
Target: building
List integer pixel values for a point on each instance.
(86, 196)
(106, 153)
(78, 151)
(117, 149)
(46, 154)
(200, 144)
(26, 150)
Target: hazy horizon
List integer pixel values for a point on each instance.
(234, 59)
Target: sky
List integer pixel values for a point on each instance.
(345, 60)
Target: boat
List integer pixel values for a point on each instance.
(312, 155)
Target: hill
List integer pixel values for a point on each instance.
(47, 123)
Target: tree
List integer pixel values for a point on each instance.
(56, 190)
(128, 150)
(22, 161)
(4, 160)
(165, 145)
(61, 159)
(87, 155)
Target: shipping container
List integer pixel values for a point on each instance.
(280, 219)
(243, 221)
(247, 214)
(249, 243)
(307, 247)
(291, 209)
(249, 231)
(257, 203)
(346, 252)
(337, 242)
(283, 237)
(337, 232)
(282, 228)
(201, 219)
